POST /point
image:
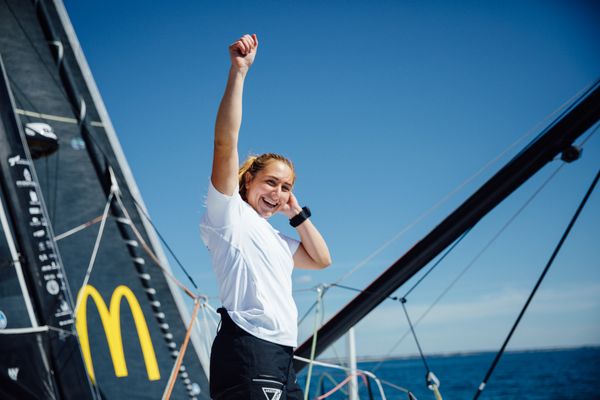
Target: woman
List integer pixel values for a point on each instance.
(252, 353)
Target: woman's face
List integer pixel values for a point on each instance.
(269, 190)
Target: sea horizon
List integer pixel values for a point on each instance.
(538, 374)
(377, 358)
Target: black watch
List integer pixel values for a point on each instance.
(300, 217)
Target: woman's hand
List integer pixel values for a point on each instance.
(292, 207)
(312, 252)
(243, 51)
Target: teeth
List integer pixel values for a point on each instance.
(269, 203)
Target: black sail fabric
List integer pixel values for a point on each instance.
(126, 294)
(23, 375)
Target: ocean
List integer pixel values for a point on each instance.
(541, 374)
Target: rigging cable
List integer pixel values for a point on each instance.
(421, 279)
(320, 292)
(431, 380)
(33, 46)
(26, 99)
(572, 103)
(141, 209)
(94, 253)
(325, 287)
(81, 227)
(56, 181)
(140, 265)
(349, 370)
(567, 105)
(207, 336)
(537, 285)
(150, 253)
(474, 259)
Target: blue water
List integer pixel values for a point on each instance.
(548, 374)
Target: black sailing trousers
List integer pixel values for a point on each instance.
(243, 366)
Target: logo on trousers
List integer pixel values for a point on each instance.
(271, 393)
(111, 321)
(13, 372)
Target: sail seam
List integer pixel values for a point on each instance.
(57, 118)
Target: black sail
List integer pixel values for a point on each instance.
(126, 293)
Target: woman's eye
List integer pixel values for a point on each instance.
(286, 188)
(271, 182)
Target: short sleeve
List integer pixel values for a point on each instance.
(293, 244)
(221, 210)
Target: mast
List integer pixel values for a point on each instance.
(555, 139)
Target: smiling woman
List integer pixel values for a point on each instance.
(270, 178)
(252, 354)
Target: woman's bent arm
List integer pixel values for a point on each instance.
(229, 117)
(313, 252)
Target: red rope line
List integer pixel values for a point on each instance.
(175, 372)
(342, 383)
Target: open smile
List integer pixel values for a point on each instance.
(270, 203)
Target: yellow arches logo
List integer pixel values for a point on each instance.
(111, 321)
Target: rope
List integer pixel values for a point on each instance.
(183, 269)
(175, 371)
(411, 396)
(592, 133)
(34, 47)
(474, 260)
(421, 279)
(37, 329)
(307, 313)
(341, 384)
(21, 93)
(207, 335)
(403, 302)
(397, 298)
(537, 285)
(148, 250)
(327, 376)
(431, 380)
(56, 180)
(8, 263)
(320, 293)
(95, 251)
(367, 373)
(78, 228)
(563, 108)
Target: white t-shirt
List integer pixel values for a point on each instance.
(253, 263)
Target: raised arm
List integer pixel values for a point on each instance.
(225, 166)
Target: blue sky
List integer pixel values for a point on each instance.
(385, 108)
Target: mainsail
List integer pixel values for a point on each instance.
(130, 319)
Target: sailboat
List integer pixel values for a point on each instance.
(69, 209)
(88, 305)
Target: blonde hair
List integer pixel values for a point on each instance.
(254, 164)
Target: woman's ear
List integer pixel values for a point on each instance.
(247, 179)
